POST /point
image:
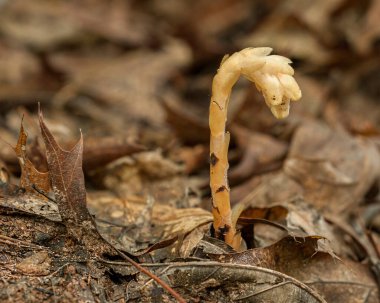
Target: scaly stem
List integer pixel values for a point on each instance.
(273, 76)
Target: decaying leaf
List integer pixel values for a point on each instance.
(315, 15)
(193, 158)
(167, 223)
(229, 282)
(16, 65)
(334, 169)
(135, 77)
(344, 281)
(67, 178)
(149, 172)
(365, 35)
(31, 179)
(31, 196)
(37, 264)
(191, 242)
(321, 168)
(297, 217)
(17, 199)
(117, 81)
(100, 151)
(282, 33)
(299, 258)
(154, 165)
(31, 30)
(281, 256)
(260, 152)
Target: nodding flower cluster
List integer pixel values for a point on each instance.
(273, 76)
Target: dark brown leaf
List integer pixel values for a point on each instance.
(279, 256)
(334, 168)
(344, 281)
(230, 283)
(67, 178)
(295, 216)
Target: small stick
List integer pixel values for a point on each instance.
(163, 284)
(273, 76)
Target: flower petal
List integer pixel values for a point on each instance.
(272, 89)
(261, 51)
(291, 88)
(281, 111)
(277, 65)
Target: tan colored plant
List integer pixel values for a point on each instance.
(273, 76)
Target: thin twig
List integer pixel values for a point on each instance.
(262, 291)
(164, 285)
(151, 275)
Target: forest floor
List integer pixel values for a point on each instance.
(104, 153)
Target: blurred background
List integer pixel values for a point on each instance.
(135, 77)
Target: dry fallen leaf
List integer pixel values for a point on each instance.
(67, 179)
(281, 256)
(283, 34)
(140, 71)
(299, 258)
(363, 36)
(37, 264)
(334, 169)
(260, 153)
(15, 198)
(229, 283)
(31, 179)
(128, 84)
(166, 223)
(297, 218)
(65, 168)
(43, 25)
(344, 281)
(16, 65)
(315, 15)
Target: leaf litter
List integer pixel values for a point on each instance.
(304, 190)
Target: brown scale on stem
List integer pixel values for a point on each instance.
(273, 76)
(213, 159)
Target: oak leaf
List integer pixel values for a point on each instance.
(30, 178)
(67, 177)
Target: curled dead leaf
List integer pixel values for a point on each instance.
(30, 178)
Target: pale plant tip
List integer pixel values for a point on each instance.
(271, 88)
(276, 82)
(261, 51)
(281, 111)
(290, 86)
(277, 65)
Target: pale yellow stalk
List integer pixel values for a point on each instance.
(273, 76)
